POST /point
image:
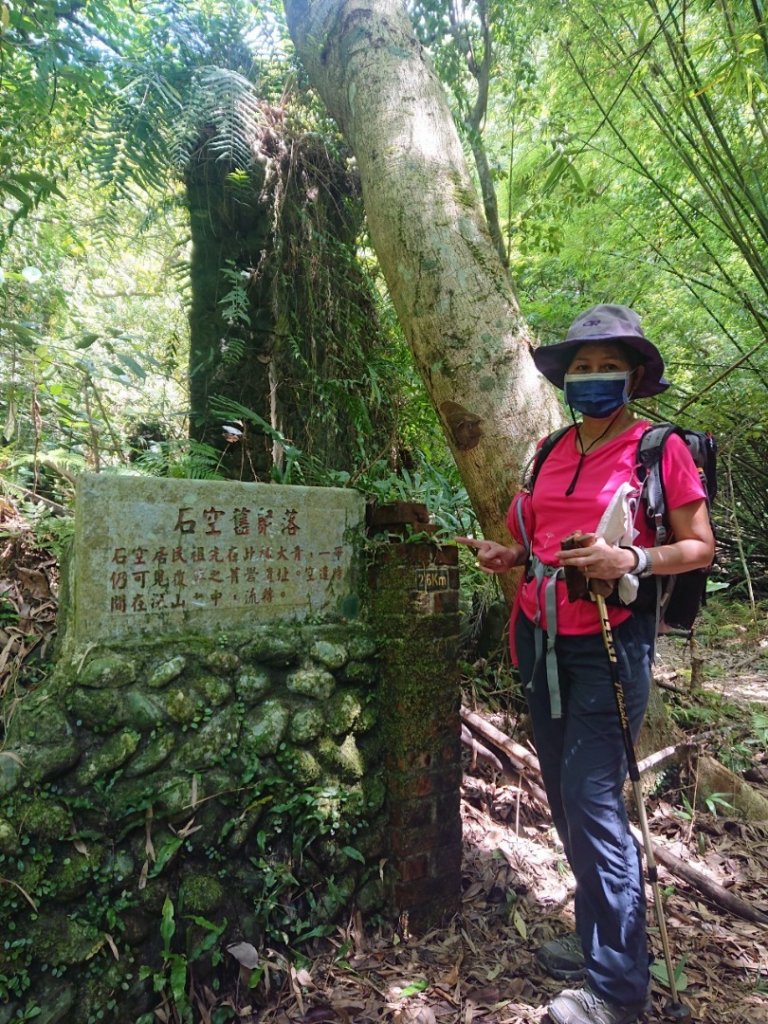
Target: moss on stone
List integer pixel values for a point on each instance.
(38, 720)
(117, 868)
(72, 876)
(330, 655)
(62, 940)
(156, 761)
(55, 999)
(46, 819)
(98, 709)
(276, 646)
(9, 840)
(108, 670)
(143, 712)
(176, 796)
(251, 686)
(224, 662)
(368, 717)
(99, 988)
(263, 733)
(307, 724)
(108, 758)
(10, 771)
(152, 755)
(363, 647)
(29, 869)
(305, 767)
(311, 682)
(181, 706)
(344, 758)
(44, 763)
(201, 894)
(359, 672)
(215, 691)
(213, 742)
(342, 711)
(166, 671)
(169, 793)
(131, 796)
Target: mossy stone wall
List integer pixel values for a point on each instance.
(237, 780)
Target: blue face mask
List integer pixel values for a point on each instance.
(596, 394)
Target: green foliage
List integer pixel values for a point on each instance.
(183, 459)
(714, 802)
(433, 483)
(227, 101)
(174, 979)
(295, 822)
(659, 972)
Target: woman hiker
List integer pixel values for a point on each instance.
(604, 362)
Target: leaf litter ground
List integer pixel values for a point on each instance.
(517, 894)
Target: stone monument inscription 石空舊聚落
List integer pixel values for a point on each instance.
(154, 556)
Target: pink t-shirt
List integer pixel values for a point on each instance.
(553, 515)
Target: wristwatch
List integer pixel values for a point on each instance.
(648, 570)
(643, 561)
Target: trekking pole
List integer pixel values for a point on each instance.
(674, 1009)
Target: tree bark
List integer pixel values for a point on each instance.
(453, 296)
(279, 303)
(225, 233)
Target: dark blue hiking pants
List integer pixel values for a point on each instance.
(584, 766)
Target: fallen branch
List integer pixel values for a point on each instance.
(721, 896)
(671, 753)
(480, 751)
(523, 762)
(517, 753)
(528, 765)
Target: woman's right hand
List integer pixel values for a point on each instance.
(492, 557)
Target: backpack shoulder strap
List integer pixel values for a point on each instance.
(650, 448)
(539, 457)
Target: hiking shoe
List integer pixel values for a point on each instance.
(563, 958)
(583, 1006)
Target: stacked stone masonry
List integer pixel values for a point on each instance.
(248, 781)
(156, 771)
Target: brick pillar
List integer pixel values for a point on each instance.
(415, 602)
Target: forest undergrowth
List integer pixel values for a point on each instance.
(517, 887)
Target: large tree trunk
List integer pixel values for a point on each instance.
(280, 304)
(453, 297)
(227, 360)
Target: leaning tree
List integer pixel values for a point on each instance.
(452, 294)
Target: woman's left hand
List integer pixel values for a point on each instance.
(596, 558)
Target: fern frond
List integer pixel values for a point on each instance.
(224, 110)
(129, 146)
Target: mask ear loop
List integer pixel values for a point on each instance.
(635, 383)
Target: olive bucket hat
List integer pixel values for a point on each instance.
(604, 323)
